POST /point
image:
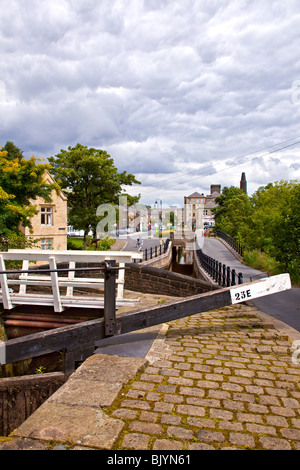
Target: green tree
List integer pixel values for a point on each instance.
(234, 213)
(91, 179)
(21, 182)
(271, 202)
(286, 225)
(12, 152)
(220, 212)
(268, 222)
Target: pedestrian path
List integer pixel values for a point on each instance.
(224, 379)
(283, 306)
(217, 249)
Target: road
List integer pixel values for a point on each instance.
(146, 237)
(284, 306)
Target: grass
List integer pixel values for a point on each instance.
(102, 245)
(266, 263)
(262, 261)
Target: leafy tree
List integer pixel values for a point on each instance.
(91, 179)
(12, 152)
(271, 203)
(220, 212)
(268, 221)
(234, 213)
(21, 182)
(287, 239)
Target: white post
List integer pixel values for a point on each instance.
(121, 277)
(55, 287)
(25, 267)
(2, 352)
(7, 304)
(71, 276)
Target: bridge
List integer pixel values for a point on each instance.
(284, 306)
(74, 261)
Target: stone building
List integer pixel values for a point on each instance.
(198, 208)
(193, 210)
(210, 204)
(49, 225)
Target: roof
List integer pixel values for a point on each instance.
(210, 205)
(50, 180)
(214, 195)
(196, 195)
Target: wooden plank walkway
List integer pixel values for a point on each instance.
(38, 279)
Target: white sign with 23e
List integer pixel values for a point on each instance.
(267, 286)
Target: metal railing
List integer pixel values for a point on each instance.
(231, 241)
(155, 251)
(222, 274)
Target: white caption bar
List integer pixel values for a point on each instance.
(267, 286)
(2, 352)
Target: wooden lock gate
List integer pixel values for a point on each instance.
(77, 342)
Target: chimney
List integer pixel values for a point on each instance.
(215, 188)
(243, 183)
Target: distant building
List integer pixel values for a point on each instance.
(177, 216)
(193, 210)
(49, 225)
(215, 188)
(210, 204)
(198, 208)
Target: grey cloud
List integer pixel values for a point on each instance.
(164, 86)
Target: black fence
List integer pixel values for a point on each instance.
(231, 241)
(155, 251)
(222, 274)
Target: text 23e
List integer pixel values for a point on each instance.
(244, 294)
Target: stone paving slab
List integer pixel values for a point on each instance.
(74, 415)
(223, 379)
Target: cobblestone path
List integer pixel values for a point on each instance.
(217, 380)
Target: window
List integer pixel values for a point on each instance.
(46, 244)
(46, 216)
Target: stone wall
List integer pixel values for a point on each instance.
(21, 396)
(151, 280)
(153, 277)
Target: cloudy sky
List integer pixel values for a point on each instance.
(182, 93)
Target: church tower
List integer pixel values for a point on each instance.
(243, 183)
